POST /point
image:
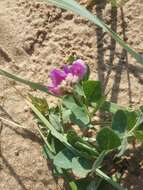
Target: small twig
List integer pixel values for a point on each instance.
(11, 123)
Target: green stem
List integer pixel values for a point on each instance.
(109, 180)
(25, 81)
(114, 3)
(78, 99)
(98, 106)
(45, 140)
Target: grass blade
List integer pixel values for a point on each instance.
(72, 5)
(54, 132)
(109, 180)
(26, 82)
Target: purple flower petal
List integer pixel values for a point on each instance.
(67, 69)
(57, 76)
(68, 76)
(79, 68)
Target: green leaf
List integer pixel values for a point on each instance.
(119, 123)
(40, 103)
(92, 90)
(71, 59)
(73, 185)
(138, 123)
(79, 90)
(107, 139)
(81, 145)
(72, 138)
(140, 120)
(64, 159)
(131, 118)
(79, 115)
(141, 108)
(112, 107)
(57, 171)
(65, 115)
(81, 167)
(83, 183)
(56, 145)
(91, 152)
(72, 5)
(104, 185)
(139, 135)
(94, 185)
(55, 121)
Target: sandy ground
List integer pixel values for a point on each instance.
(34, 38)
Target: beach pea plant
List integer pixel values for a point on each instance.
(86, 148)
(83, 149)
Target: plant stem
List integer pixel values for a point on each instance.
(114, 3)
(108, 179)
(98, 106)
(78, 99)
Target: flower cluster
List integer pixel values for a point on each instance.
(64, 80)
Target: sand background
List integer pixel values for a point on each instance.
(35, 38)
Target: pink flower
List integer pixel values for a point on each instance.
(64, 80)
(79, 68)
